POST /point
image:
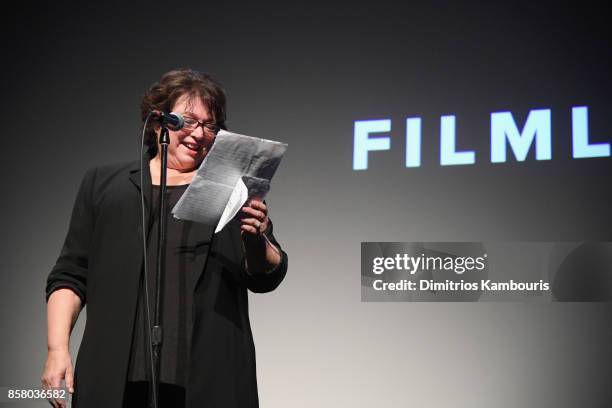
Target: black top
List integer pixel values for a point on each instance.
(101, 261)
(177, 298)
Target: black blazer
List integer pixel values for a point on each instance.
(101, 261)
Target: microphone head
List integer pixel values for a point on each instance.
(175, 121)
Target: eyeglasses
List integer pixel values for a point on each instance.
(192, 124)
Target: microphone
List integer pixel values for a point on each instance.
(172, 120)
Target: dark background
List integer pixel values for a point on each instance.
(73, 76)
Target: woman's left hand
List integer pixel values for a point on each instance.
(261, 254)
(254, 217)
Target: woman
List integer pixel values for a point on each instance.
(208, 357)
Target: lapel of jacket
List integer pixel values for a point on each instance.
(198, 234)
(135, 177)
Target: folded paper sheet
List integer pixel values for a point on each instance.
(236, 168)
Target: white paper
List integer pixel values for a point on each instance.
(236, 200)
(232, 158)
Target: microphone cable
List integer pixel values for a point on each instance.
(145, 263)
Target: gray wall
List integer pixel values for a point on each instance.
(73, 78)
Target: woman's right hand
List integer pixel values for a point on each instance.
(58, 367)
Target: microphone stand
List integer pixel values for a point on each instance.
(156, 330)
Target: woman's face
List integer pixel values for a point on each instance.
(188, 148)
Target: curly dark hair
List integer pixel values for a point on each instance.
(173, 84)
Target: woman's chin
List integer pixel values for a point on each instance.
(192, 161)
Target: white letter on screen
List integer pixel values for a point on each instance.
(536, 127)
(364, 144)
(580, 136)
(448, 155)
(413, 142)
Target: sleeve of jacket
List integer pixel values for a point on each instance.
(267, 282)
(70, 270)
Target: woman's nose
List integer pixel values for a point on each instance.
(198, 132)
